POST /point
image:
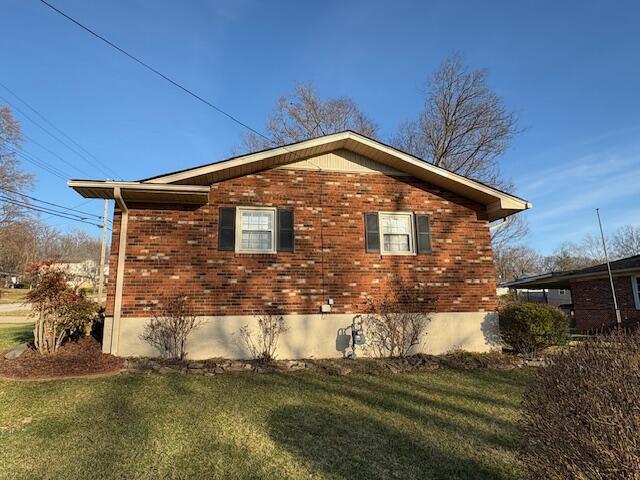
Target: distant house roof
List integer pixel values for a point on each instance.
(191, 185)
(562, 279)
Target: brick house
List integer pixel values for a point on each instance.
(313, 229)
(593, 306)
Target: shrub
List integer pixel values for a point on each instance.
(529, 327)
(581, 417)
(397, 322)
(262, 345)
(169, 329)
(61, 312)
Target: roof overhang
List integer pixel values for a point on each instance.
(564, 279)
(498, 204)
(137, 192)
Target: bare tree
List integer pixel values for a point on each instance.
(626, 241)
(591, 248)
(18, 245)
(514, 229)
(513, 262)
(12, 178)
(464, 127)
(567, 256)
(29, 240)
(303, 114)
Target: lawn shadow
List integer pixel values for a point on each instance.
(114, 431)
(22, 335)
(439, 411)
(345, 445)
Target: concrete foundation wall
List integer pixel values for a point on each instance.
(309, 336)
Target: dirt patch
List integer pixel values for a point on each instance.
(74, 359)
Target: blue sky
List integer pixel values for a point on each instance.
(569, 69)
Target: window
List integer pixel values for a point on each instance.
(396, 230)
(256, 231)
(635, 285)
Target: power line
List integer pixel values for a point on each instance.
(50, 212)
(77, 206)
(48, 150)
(155, 71)
(95, 162)
(22, 203)
(39, 162)
(15, 192)
(34, 159)
(72, 165)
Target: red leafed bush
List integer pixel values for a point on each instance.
(60, 310)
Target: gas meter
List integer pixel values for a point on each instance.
(357, 335)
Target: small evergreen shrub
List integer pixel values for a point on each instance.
(529, 327)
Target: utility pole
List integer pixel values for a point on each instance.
(103, 250)
(606, 257)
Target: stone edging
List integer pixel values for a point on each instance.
(331, 366)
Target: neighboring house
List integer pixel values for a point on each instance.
(550, 296)
(591, 291)
(84, 274)
(9, 279)
(314, 229)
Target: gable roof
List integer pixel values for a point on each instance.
(499, 204)
(562, 279)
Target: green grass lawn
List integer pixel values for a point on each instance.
(13, 333)
(12, 295)
(443, 424)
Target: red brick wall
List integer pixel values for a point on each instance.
(593, 302)
(174, 250)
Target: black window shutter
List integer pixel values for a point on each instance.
(371, 232)
(285, 230)
(227, 228)
(423, 233)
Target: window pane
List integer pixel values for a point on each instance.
(396, 224)
(256, 240)
(396, 243)
(396, 231)
(256, 220)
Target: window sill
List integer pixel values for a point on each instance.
(255, 252)
(398, 254)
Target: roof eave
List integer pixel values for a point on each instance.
(499, 204)
(142, 193)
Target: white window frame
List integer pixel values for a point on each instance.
(412, 233)
(636, 290)
(239, 211)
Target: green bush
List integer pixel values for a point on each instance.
(529, 327)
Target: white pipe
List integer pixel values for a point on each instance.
(505, 221)
(122, 247)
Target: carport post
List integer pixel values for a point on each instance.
(606, 257)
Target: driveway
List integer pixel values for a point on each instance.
(12, 307)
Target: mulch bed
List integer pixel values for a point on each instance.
(83, 357)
